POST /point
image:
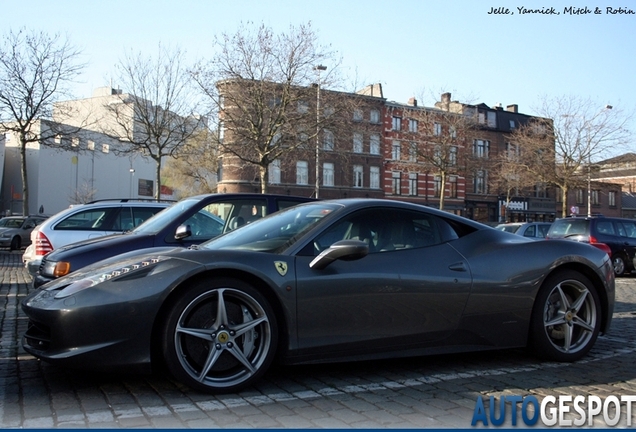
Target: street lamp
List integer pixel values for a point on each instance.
(319, 69)
(589, 171)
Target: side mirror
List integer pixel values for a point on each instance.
(347, 250)
(182, 232)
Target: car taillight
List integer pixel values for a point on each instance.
(42, 244)
(602, 246)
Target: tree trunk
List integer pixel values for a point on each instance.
(564, 206)
(442, 192)
(25, 181)
(158, 178)
(264, 178)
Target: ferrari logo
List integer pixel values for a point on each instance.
(281, 267)
(223, 337)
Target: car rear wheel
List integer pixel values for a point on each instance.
(619, 265)
(220, 336)
(15, 243)
(566, 317)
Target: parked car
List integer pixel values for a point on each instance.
(616, 236)
(189, 222)
(84, 221)
(324, 281)
(533, 230)
(15, 231)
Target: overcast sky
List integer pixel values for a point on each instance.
(412, 47)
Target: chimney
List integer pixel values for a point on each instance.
(413, 102)
(513, 108)
(446, 99)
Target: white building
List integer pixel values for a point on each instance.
(90, 170)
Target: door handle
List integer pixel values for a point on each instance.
(459, 266)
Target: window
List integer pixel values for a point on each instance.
(395, 182)
(437, 129)
(274, 172)
(303, 107)
(452, 132)
(374, 177)
(452, 186)
(327, 140)
(437, 186)
(595, 197)
(374, 144)
(579, 196)
(90, 145)
(221, 131)
(611, 198)
(512, 124)
(395, 150)
(397, 123)
(512, 151)
(492, 119)
(452, 156)
(328, 111)
(105, 148)
(481, 148)
(540, 190)
(412, 152)
(275, 139)
(327, 174)
(357, 115)
(302, 173)
(374, 116)
(480, 182)
(413, 184)
(357, 142)
(412, 125)
(357, 176)
(75, 141)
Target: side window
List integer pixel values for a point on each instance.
(221, 217)
(140, 214)
(605, 227)
(531, 231)
(386, 231)
(86, 220)
(630, 229)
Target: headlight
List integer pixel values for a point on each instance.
(97, 276)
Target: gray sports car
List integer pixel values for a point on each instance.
(325, 281)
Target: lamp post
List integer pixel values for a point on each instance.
(589, 171)
(319, 69)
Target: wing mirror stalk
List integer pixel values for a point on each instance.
(347, 250)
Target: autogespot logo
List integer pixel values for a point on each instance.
(559, 410)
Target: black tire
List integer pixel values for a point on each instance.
(236, 343)
(566, 317)
(15, 243)
(619, 264)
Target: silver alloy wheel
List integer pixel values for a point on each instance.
(222, 337)
(619, 265)
(569, 316)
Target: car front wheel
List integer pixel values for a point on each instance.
(15, 243)
(220, 336)
(566, 317)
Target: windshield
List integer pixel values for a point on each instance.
(11, 222)
(159, 221)
(276, 232)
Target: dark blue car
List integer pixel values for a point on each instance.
(188, 222)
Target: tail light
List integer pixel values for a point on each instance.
(42, 244)
(602, 246)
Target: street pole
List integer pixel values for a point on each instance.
(318, 68)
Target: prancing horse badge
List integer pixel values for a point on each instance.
(281, 267)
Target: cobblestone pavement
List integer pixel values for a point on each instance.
(439, 391)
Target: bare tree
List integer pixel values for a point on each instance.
(159, 114)
(261, 85)
(572, 132)
(193, 170)
(35, 70)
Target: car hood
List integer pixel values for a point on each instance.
(103, 246)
